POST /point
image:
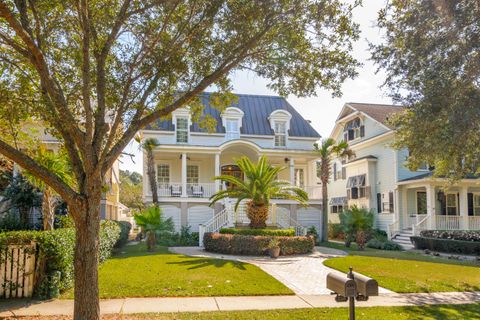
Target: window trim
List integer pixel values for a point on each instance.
(232, 135)
(169, 173)
(474, 206)
(283, 134)
(416, 202)
(198, 173)
(447, 206)
(187, 129)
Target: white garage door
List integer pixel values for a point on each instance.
(198, 215)
(173, 212)
(309, 216)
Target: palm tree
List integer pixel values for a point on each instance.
(326, 151)
(149, 145)
(151, 221)
(260, 185)
(58, 164)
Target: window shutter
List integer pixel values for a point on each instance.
(344, 173)
(470, 204)
(351, 134)
(362, 131)
(443, 202)
(334, 172)
(379, 202)
(367, 192)
(390, 201)
(349, 194)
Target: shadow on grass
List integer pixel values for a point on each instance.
(197, 263)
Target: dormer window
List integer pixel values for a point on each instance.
(280, 124)
(353, 130)
(232, 131)
(280, 134)
(181, 127)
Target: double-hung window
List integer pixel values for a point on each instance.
(476, 204)
(192, 174)
(452, 205)
(232, 130)
(280, 133)
(163, 175)
(182, 129)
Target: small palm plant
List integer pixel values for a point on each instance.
(58, 164)
(260, 185)
(356, 223)
(152, 222)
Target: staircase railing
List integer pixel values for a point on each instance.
(224, 218)
(284, 221)
(421, 225)
(393, 229)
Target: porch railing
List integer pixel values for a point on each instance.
(474, 223)
(448, 222)
(194, 190)
(421, 225)
(393, 229)
(314, 192)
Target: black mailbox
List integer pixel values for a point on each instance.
(366, 287)
(342, 286)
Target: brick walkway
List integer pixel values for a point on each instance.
(304, 274)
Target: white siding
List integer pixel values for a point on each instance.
(170, 211)
(404, 172)
(309, 216)
(383, 220)
(198, 215)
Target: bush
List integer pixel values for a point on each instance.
(10, 221)
(447, 245)
(184, 238)
(357, 224)
(259, 232)
(463, 235)
(55, 255)
(383, 245)
(312, 232)
(125, 228)
(255, 245)
(335, 231)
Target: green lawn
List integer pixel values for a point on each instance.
(134, 272)
(410, 272)
(438, 312)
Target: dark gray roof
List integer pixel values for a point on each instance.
(430, 174)
(379, 112)
(257, 109)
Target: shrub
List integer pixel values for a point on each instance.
(356, 224)
(383, 245)
(463, 235)
(125, 228)
(10, 221)
(335, 231)
(312, 232)
(55, 254)
(255, 245)
(184, 238)
(447, 245)
(259, 232)
(378, 235)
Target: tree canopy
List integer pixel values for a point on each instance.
(431, 54)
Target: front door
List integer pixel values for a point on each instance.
(232, 170)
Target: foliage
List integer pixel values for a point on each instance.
(312, 232)
(65, 221)
(447, 245)
(56, 248)
(259, 187)
(125, 228)
(427, 55)
(356, 224)
(131, 189)
(464, 235)
(21, 195)
(383, 245)
(132, 177)
(153, 223)
(185, 238)
(326, 151)
(10, 221)
(335, 231)
(273, 243)
(255, 245)
(259, 232)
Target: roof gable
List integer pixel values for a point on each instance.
(378, 112)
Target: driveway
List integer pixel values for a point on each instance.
(304, 274)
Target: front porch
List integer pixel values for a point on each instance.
(431, 206)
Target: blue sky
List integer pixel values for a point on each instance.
(322, 110)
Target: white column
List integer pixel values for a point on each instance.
(404, 213)
(184, 175)
(431, 200)
(292, 171)
(217, 171)
(463, 207)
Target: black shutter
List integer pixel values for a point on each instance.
(470, 204)
(379, 202)
(362, 131)
(334, 172)
(443, 202)
(390, 201)
(351, 134)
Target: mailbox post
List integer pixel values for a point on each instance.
(354, 286)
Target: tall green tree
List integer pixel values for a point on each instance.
(430, 54)
(58, 164)
(326, 151)
(98, 71)
(131, 190)
(258, 188)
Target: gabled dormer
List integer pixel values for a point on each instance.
(280, 124)
(232, 122)
(182, 121)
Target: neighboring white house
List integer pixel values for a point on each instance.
(405, 202)
(188, 159)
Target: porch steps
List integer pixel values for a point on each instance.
(403, 239)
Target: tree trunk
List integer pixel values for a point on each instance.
(151, 176)
(258, 215)
(48, 209)
(324, 236)
(87, 224)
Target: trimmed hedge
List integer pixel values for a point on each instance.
(259, 232)
(55, 254)
(255, 245)
(125, 228)
(383, 245)
(463, 235)
(447, 245)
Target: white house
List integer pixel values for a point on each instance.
(405, 202)
(188, 159)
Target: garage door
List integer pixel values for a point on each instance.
(309, 216)
(173, 212)
(198, 215)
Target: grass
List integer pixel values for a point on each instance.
(433, 312)
(134, 272)
(408, 271)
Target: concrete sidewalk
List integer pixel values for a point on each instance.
(157, 305)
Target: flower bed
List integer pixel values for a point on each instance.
(255, 245)
(463, 235)
(259, 232)
(447, 245)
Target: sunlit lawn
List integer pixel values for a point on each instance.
(134, 272)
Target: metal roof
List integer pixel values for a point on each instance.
(257, 109)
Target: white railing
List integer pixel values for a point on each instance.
(284, 221)
(474, 223)
(220, 220)
(172, 189)
(200, 190)
(447, 222)
(393, 229)
(314, 192)
(421, 225)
